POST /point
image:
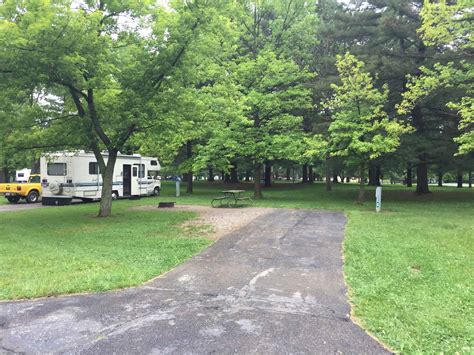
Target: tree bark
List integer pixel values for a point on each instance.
(440, 179)
(361, 183)
(422, 167)
(469, 181)
(328, 174)
(422, 176)
(210, 178)
(409, 175)
(305, 173)
(5, 175)
(234, 178)
(374, 175)
(105, 208)
(268, 175)
(257, 193)
(459, 179)
(288, 174)
(310, 174)
(189, 156)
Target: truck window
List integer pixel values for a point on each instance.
(35, 179)
(93, 168)
(57, 169)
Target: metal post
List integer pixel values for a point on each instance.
(178, 183)
(378, 198)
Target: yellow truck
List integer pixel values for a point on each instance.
(30, 191)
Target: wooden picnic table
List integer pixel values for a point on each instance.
(230, 195)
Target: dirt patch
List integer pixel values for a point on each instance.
(214, 222)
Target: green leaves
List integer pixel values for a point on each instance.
(360, 127)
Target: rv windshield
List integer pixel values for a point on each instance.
(153, 174)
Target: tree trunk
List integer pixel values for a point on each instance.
(409, 175)
(222, 175)
(288, 174)
(328, 174)
(210, 178)
(233, 174)
(469, 181)
(361, 183)
(422, 176)
(348, 179)
(35, 166)
(268, 175)
(459, 179)
(310, 174)
(374, 175)
(4, 175)
(257, 193)
(335, 179)
(440, 179)
(105, 207)
(227, 178)
(189, 156)
(305, 173)
(422, 167)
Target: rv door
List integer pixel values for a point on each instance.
(135, 181)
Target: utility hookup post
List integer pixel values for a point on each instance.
(378, 198)
(178, 183)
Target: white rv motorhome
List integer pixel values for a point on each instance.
(68, 175)
(22, 175)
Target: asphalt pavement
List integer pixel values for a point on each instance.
(274, 286)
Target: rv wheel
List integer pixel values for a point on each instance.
(115, 195)
(32, 196)
(156, 191)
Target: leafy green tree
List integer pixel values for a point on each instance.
(98, 61)
(449, 26)
(360, 130)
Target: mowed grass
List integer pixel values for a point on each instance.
(60, 250)
(410, 268)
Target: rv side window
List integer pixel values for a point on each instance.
(93, 168)
(21, 175)
(135, 169)
(57, 169)
(141, 172)
(154, 162)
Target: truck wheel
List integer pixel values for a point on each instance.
(32, 197)
(156, 191)
(13, 199)
(115, 195)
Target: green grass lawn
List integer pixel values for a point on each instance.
(58, 250)
(409, 268)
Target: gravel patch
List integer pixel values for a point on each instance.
(221, 220)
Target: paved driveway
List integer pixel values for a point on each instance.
(274, 286)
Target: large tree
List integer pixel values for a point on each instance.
(104, 62)
(360, 129)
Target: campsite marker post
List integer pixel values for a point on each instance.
(378, 198)
(178, 183)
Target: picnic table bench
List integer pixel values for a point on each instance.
(229, 196)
